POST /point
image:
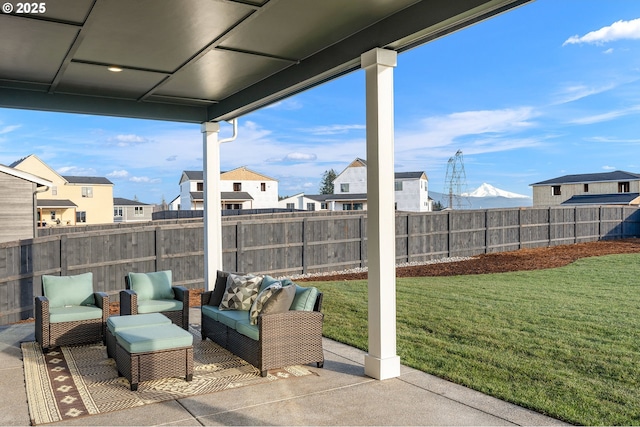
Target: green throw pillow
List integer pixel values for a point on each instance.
(152, 286)
(241, 291)
(69, 290)
(261, 299)
(305, 299)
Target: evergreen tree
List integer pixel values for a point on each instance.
(326, 184)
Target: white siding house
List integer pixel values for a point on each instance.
(240, 188)
(350, 192)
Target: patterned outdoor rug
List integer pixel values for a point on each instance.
(69, 382)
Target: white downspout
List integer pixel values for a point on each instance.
(234, 122)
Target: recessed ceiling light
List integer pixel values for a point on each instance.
(114, 68)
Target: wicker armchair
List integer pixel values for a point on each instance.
(69, 312)
(154, 293)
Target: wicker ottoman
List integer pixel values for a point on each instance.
(121, 323)
(154, 352)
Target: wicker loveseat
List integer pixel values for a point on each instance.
(278, 339)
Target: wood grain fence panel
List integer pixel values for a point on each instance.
(534, 227)
(503, 230)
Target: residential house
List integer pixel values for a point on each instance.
(19, 216)
(606, 188)
(350, 192)
(71, 200)
(126, 210)
(240, 188)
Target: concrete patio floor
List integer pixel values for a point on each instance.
(340, 394)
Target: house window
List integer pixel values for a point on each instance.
(344, 188)
(263, 186)
(237, 186)
(291, 206)
(54, 190)
(200, 186)
(585, 188)
(555, 190)
(81, 216)
(138, 211)
(357, 206)
(398, 185)
(117, 211)
(623, 187)
(311, 206)
(87, 191)
(324, 205)
(346, 206)
(53, 215)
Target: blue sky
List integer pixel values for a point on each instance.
(549, 89)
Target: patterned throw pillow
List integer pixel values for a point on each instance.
(262, 298)
(240, 293)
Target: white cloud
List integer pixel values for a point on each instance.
(118, 174)
(128, 139)
(286, 104)
(575, 92)
(609, 168)
(76, 171)
(10, 128)
(604, 117)
(617, 31)
(608, 51)
(172, 158)
(333, 129)
(144, 179)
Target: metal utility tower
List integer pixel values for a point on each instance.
(456, 181)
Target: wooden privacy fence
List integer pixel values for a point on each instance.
(286, 244)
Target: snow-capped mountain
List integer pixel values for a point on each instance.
(484, 197)
(488, 190)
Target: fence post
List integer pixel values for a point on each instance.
(575, 224)
(64, 261)
(239, 246)
(305, 248)
(408, 237)
(159, 248)
(362, 233)
(449, 231)
(486, 231)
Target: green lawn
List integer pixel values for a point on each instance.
(564, 342)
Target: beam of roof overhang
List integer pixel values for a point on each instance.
(415, 25)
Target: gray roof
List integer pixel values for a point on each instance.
(602, 199)
(119, 201)
(348, 196)
(235, 195)
(56, 203)
(194, 175)
(591, 177)
(408, 175)
(94, 180)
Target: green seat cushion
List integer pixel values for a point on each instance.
(120, 323)
(75, 313)
(305, 299)
(231, 317)
(158, 305)
(154, 338)
(150, 286)
(210, 311)
(245, 328)
(69, 290)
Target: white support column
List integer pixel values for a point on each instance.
(212, 213)
(381, 362)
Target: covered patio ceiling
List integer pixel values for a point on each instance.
(203, 60)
